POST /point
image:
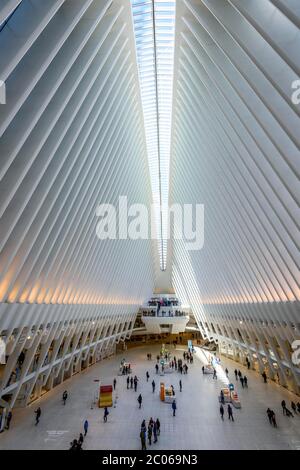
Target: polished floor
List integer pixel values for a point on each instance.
(197, 424)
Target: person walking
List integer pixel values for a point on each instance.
(81, 439)
(8, 419)
(242, 381)
(215, 374)
(174, 407)
(85, 427)
(65, 396)
(236, 374)
(274, 419)
(222, 412)
(147, 376)
(140, 399)
(153, 386)
(143, 439)
(149, 434)
(131, 382)
(135, 383)
(269, 414)
(293, 406)
(106, 413)
(38, 413)
(143, 427)
(283, 405)
(156, 368)
(128, 380)
(230, 414)
(115, 383)
(180, 385)
(222, 397)
(226, 372)
(245, 381)
(158, 426)
(203, 370)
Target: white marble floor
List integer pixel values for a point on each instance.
(197, 424)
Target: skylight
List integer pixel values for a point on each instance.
(154, 27)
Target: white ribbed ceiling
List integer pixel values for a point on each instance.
(86, 106)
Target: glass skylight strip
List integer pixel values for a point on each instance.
(154, 27)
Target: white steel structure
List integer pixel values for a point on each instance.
(72, 137)
(235, 149)
(89, 93)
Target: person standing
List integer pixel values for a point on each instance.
(236, 374)
(128, 380)
(106, 413)
(222, 412)
(140, 399)
(131, 382)
(245, 381)
(180, 385)
(242, 381)
(226, 372)
(65, 396)
(174, 407)
(85, 427)
(115, 383)
(135, 383)
(147, 376)
(203, 370)
(230, 414)
(8, 419)
(156, 368)
(283, 404)
(153, 386)
(38, 413)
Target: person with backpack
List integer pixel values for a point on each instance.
(65, 396)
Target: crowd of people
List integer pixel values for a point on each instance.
(149, 433)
